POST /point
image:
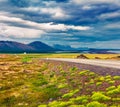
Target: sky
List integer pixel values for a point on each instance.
(78, 23)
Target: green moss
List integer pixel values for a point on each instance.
(110, 88)
(80, 99)
(116, 77)
(98, 96)
(95, 104)
(42, 106)
(115, 99)
(98, 83)
(58, 104)
(111, 82)
(60, 86)
(76, 106)
(101, 79)
(108, 77)
(114, 91)
(26, 59)
(73, 69)
(85, 72)
(70, 94)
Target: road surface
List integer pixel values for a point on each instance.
(96, 62)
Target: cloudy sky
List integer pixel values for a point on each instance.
(79, 23)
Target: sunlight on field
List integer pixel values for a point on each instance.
(103, 56)
(70, 55)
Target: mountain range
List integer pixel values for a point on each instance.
(16, 47)
(40, 47)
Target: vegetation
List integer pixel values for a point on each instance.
(27, 81)
(70, 55)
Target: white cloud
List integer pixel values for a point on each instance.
(32, 29)
(95, 1)
(109, 15)
(55, 12)
(115, 25)
(87, 7)
(18, 32)
(42, 26)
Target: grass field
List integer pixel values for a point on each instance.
(27, 81)
(70, 55)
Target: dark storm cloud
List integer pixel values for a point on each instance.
(19, 3)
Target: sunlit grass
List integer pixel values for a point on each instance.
(69, 55)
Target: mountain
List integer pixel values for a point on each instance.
(16, 47)
(41, 47)
(11, 47)
(64, 47)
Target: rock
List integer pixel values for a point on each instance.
(82, 56)
(97, 58)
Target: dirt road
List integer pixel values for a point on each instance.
(103, 63)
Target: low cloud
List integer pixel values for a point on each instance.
(18, 32)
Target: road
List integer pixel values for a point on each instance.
(96, 62)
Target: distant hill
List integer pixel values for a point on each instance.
(10, 46)
(16, 47)
(41, 47)
(64, 47)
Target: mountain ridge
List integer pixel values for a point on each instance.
(17, 47)
(40, 47)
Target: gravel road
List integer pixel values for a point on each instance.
(103, 63)
(102, 67)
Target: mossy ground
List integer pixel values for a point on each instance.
(31, 82)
